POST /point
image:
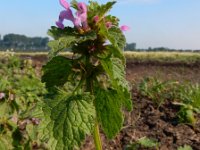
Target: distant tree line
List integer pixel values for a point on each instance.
(23, 43)
(165, 49)
(132, 47)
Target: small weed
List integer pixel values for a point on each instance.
(20, 90)
(185, 147)
(145, 143)
(155, 90)
(189, 101)
(186, 95)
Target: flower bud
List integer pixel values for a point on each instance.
(109, 25)
(2, 95)
(124, 28)
(96, 19)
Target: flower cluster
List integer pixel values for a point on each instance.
(80, 18)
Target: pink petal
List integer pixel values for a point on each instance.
(65, 4)
(77, 22)
(67, 14)
(82, 16)
(82, 7)
(62, 15)
(60, 24)
(124, 28)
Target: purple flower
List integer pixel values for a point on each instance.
(60, 24)
(108, 25)
(65, 14)
(65, 4)
(2, 95)
(82, 7)
(124, 28)
(77, 22)
(82, 14)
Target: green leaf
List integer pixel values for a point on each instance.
(147, 143)
(116, 37)
(61, 44)
(116, 52)
(100, 10)
(105, 8)
(74, 4)
(66, 38)
(87, 36)
(3, 145)
(113, 19)
(56, 71)
(56, 32)
(6, 109)
(72, 118)
(116, 71)
(6, 142)
(109, 114)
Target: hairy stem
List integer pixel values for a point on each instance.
(97, 139)
(89, 86)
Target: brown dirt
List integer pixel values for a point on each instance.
(176, 71)
(145, 119)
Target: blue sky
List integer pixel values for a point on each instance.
(154, 23)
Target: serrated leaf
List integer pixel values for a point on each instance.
(67, 40)
(100, 10)
(87, 36)
(113, 19)
(115, 70)
(109, 114)
(72, 118)
(56, 32)
(105, 8)
(116, 52)
(56, 71)
(116, 37)
(61, 44)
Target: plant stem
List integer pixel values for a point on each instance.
(97, 139)
(89, 87)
